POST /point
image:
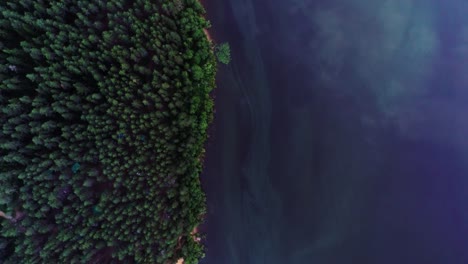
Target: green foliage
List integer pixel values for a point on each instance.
(223, 53)
(104, 111)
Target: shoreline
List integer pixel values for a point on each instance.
(195, 231)
(208, 35)
(205, 30)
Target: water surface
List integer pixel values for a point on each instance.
(339, 133)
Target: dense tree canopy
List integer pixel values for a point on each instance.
(104, 111)
(223, 53)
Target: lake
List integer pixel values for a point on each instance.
(340, 133)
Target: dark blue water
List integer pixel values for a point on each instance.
(340, 133)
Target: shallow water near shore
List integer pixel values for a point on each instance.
(339, 133)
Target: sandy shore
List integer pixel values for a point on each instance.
(207, 34)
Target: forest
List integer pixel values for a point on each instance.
(104, 109)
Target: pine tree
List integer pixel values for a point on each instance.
(104, 113)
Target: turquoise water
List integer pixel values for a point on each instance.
(339, 133)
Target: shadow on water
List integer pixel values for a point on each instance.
(303, 171)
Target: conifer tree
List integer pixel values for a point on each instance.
(104, 110)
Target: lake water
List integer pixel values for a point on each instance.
(340, 133)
